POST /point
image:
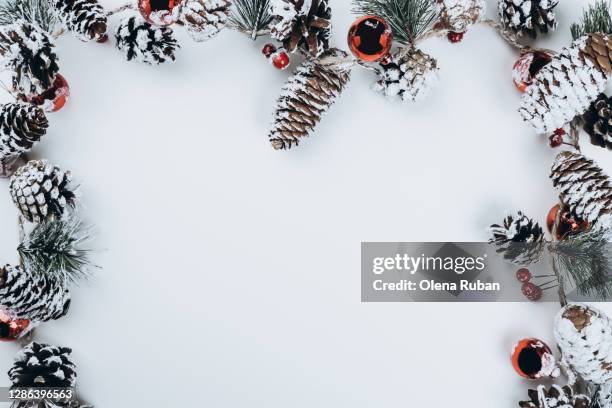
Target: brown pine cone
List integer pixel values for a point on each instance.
(598, 121)
(555, 397)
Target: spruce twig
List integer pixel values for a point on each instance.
(38, 12)
(251, 17)
(595, 19)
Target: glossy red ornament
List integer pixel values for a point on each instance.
(527, 66)
(160, 12)
(454, 37)
(523, 275)
(531, 291)
(268, 50)
(280, 60)
(11, 328)
(532, 359)
(568, 222)
(370, 38)
(54, 98)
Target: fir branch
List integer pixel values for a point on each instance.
(408, 19)
(595, 19)
(251, 17)
(55, 247)
(38, 12)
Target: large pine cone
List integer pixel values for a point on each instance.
(21, 126)
(86, 19)
(143, 42)
(598, 121)
(528, 16)
(28, 54)
(458, 15)
(555, 397)
(41, 190)
(301, 23)
(519, 239)
(584, 188)
(204, 19)
(43, 365)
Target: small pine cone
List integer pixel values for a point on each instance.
(519, 239)
(301, 23)
(568, 85)
(205, 18)
(598, 121)
(41, 190)
(143, 42)
(584, 336)
(39, 298)
(86, 19)
(306, 96)
(43, 365)
(21, 127)
(584, 188)
(28, 54)
(411, 74)
(555, 397)
(528, 16)
(458, 15)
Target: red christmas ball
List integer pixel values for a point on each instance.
(555, 140)
(527, 66)
(11, 328)
(531, 291)
(54, 98)
(268, 50)
(532, 359)
(160, 12)
(523, 275)
(370, 38)
(280, 60)
(568, 223)
(454, 37)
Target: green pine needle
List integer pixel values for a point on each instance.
(251, 16)
(595, 19)
(38, 12)
(408, 19)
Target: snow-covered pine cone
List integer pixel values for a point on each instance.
(41, 190)
(598, 121)
(528, 16)
(306, 96)
(21, 126)
(568, 85)
(39, 297)
(584, 188)
(86, 19)
(43, 365)
(301, 23)
(519, 239)
(144, 42)
(584, 336)
(458, 15)
(27, 53)
(204, 19)
(410, 74)
(555, 397)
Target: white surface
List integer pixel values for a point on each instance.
(231, 271)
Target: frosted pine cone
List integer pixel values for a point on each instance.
(41, 190)
(519, 239)
(143, 42)
(410, 74)
(458, 15)
(86, 19)
(555, 397)
(27, 52)
(301, 23)
(584, 336)
(568, 85)
(205, 18)
(21, 126)
(584, 188)
(39, 298)
(528, 16)
(598, 121)
(43, 365)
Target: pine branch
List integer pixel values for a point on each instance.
(55, 247)
(595, 19)
(251, 17)
(408, 19)
(38, 12)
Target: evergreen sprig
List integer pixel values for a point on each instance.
(595, 19)
(252, 17)
(408, 19)
(38, 12)
(55, 247)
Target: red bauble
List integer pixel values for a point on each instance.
(54, 98)
(454, 37)
(527, 66)
(531, 291)
(160, 12)
(532, 359)
(370, 38)
(523, 275)
(268, 50)
(568, 222)
(280, 60)
(11, 328)
(555, 140)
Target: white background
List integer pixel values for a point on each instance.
(231, 272)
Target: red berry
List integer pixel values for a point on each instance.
(268, 50)
(523, 275)
(555, 140)
(560, 132)
(531, 291)
(454, 37)
(102, 39)
(280, 60)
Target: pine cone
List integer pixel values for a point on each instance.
(567, 85)
(143, 42)
(528, 16)
(555, 397)
(43, 365)
(584, 336)
(38, 298)
(598, 121)
(301, 23)
(21, 126)
(205, 18)
(41, 190)
(27, 53)
(519, 240)
(410, 74)
(584, 188)
(306, 96)
(86, 19)
(458, 15)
